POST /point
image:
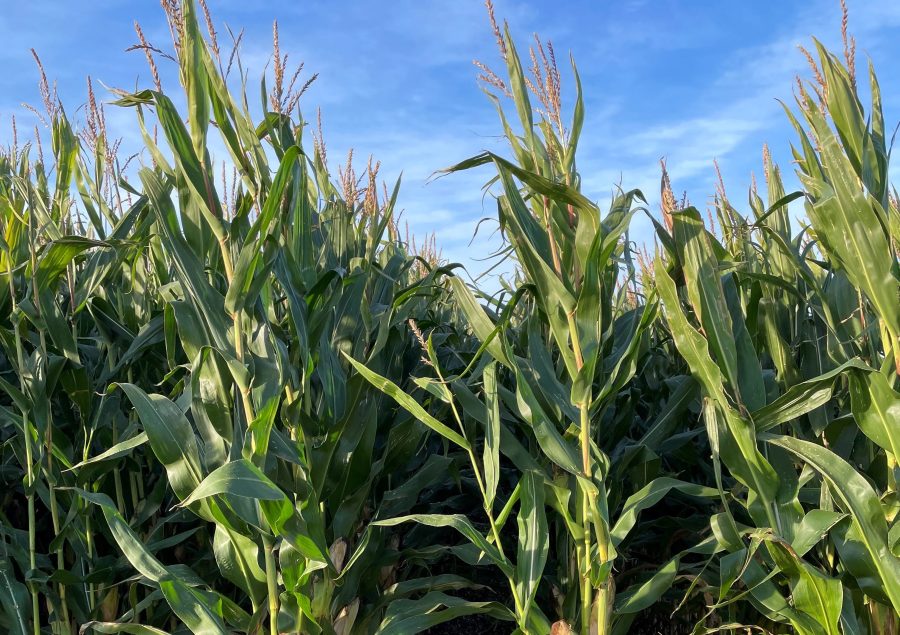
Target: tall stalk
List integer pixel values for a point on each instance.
(29, 459)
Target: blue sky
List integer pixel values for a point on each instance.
(691, 81)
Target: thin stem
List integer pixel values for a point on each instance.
(271, 584)
(586, 585)
(495, 533)
(585, 442)
(51, 480)
(242, 564)
(29, 459)
(89, 546)
(554, 250)
(588, 514)
(226, 259)
(271, 569)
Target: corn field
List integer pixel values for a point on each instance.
(250, 405)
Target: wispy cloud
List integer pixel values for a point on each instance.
(724, 116)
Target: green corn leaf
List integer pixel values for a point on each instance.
(129, 542)
(211, 404)
(813, 593)
(533, 247)
(194, 77)
(190, 163)
(534, 545)
(236, 478)
(519, 90)
(440, 582)
(650, 495)
(554, 446)
(750, 379)
(65, 149)
(813, 528)
(849, 225)
(188, 604)
(461, 524)
(704, 288)
(192, 607)
(207, 301)
(122, 627)
(577, 119)
(553, 190)
(171, 438)
(303, 531)
(251, 255)
(876, 408)
(434, 608)
(57, 256)
(123, 448)
(260, 430)
(239, 295)
(16, 603)
(768, 598)
(738, 448)
(857, 560)
(491, 454)
(679, 400)
(481, 324)
(802, 398)
(689, 341)
(626, 357)
(637, 599)
(857, 497)
(732, 567)
(407, 403)
(237, 557)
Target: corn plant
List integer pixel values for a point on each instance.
(543, 384)
(246, 404)
(177, 390)
(792, 340)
